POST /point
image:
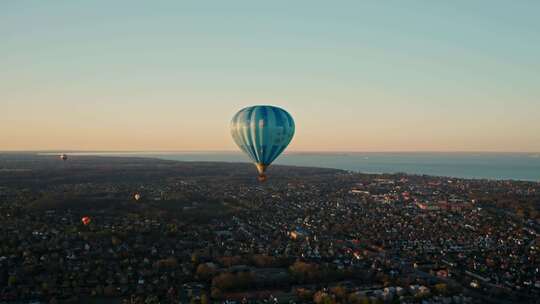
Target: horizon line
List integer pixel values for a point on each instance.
(238, 151)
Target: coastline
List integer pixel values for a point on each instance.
(480, 166)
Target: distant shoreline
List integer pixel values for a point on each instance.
(57, 151)
(481, 166)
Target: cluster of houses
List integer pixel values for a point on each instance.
(341, 238)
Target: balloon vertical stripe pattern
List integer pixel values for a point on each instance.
(262, 132)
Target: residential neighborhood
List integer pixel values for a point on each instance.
(330, 236)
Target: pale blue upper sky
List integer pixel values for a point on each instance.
(356, 75)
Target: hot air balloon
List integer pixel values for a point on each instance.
(262, 132)
(63, 157)
(86, 220)
(137, 196)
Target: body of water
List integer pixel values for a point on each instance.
(517, 166)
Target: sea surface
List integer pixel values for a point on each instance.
(515, 166)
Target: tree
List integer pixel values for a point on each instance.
(12, 280)
(520, 212)
(353, 298)
(109, 291)
(365, 300)
(323, 298)
(204, 299)
(339, 292)
(115, 240)
(304, 271)
(304, 294)
(215, 293)
(205, 271)
(229, 261)
(441, 288)
(195, 258)
(223, 282)
(169, 263)
(263, 260)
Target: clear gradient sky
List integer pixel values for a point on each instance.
(356, 75)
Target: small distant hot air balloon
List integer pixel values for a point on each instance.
(86, 220)
(263, 133)
(137, 196)
(63, 156)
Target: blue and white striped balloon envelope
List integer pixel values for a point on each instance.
(263, 133)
